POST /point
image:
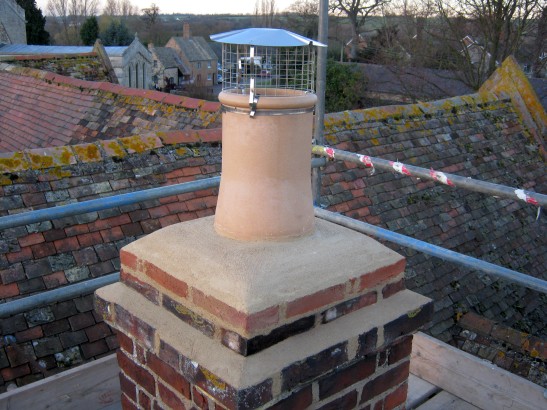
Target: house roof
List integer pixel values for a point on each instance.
(42, 109)
(195, 48)
(169, 59)
(540, 87)
(24, 49)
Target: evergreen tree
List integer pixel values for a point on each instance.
(36, 33)
(116, 34)
(89, 31)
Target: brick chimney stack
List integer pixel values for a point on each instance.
(186, 31)
(263, 306)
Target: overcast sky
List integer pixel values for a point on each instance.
(195, 6)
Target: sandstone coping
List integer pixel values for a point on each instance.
(216, 274)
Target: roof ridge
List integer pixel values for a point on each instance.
(158, 96)
(120, 147)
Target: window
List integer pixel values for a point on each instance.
(129, 82)
(198, 64)
(136, 75)
(143, 76)
(208, 64)
(209, 77)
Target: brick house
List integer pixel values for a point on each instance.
(198, 56)
(12, 23)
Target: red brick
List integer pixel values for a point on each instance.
(400, 351)
(54, 280)
(135, 327)
(219, 308)
(397, 397)
(343, 378)
(126, 343)
(372, 279)
(143, 378)
(347, 401)
(90, 239)
(168, 375)
(10, 373)
(385, 381)
(128, 404)
(145, 289)
(32, 239)
(199, 399)
(302, 399)
(392, 288)
(94, 349)
(262, 319)
(128, 259)
(29, 334)
(144, 402)
(128, 387)
(8, 291)
(43, 250)
(315, 301)
(67, 244)
(162, 278)
(169, 398)
(23, 255)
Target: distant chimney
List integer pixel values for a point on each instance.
(186, 30)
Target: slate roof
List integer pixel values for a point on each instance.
(169, 59)
(195, 48)
(42, 109)
(24, 49)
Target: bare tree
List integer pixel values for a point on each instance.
(111, 8)
(72, 14)
(264, 13)
(303, 17)
(540, 59)
(357, 12)
(486, 31)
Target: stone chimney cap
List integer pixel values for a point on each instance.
(268, 37)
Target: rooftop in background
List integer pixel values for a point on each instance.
(43, 109)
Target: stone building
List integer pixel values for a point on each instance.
(168, 70)
(12, 23)
(132, 64)
(198, 56)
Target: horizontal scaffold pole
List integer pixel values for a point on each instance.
(476, 185)
(56, 295)
(445, 254)
(94, 205)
